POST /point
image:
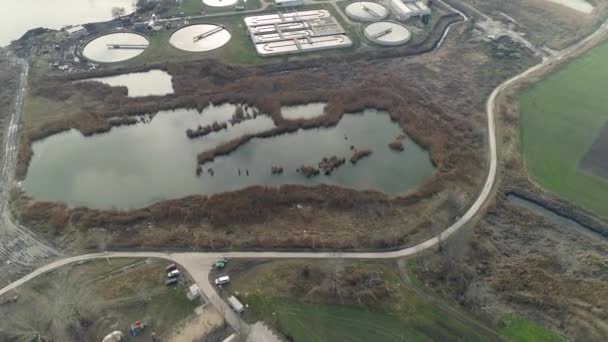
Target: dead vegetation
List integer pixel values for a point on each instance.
(330, 282)
(410, 90)
(516, 261)
(9, 79)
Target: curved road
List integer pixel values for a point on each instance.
(199, 264)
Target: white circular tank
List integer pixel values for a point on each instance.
(115, 47)
(200, 37)
(366, 11)
(387, 33)
(219, 3)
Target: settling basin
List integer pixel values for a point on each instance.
(134, 166)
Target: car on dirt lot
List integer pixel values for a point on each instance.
(174, 274)
(171, 267)
(171, 281)
(222, 280)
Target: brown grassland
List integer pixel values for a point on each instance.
(410, 89)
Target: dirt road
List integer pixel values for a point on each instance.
(20, 249)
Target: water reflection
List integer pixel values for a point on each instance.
(133, 166)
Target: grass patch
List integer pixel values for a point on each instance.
(324, 315)
(521, 330)
(239, 50)
(38, 110)
(560, 118)
(9, 78)
(314, 322)
(165, 309)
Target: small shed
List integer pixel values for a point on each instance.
(288, 3)
(193, 292)
(76, 31)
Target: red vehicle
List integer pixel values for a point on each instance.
(171, 267)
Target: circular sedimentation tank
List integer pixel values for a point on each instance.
(220, 3)
(200, 37)
(115, 47)
(366, 11)
(387, 33)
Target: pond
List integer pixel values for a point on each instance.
(153, 82)
(307, 111)
(134, 166)
(23, 15)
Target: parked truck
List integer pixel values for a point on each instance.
(235, 304)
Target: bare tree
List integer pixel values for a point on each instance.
(118, 12)
(60, 311)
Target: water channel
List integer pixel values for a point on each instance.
(555, 218)
(134, 166)
(23, 15)
(153, 82)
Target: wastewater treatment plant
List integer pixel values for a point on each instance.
(303, 170)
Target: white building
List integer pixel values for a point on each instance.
(409, 9)
(288, 3)
(76, 31)
(193, 292)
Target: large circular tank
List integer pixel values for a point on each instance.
(387, 33)
(200, 37)
(220, 3)
(115, 47)
(366, 11)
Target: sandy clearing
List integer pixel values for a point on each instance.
(198, 326)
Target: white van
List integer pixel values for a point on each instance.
(235, 304)
(222, 280)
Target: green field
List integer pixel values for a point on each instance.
(406, 315)
(319, 323)
(560, 118)
(521, 330)
(411, 313)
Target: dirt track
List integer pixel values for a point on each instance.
(20, 249)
